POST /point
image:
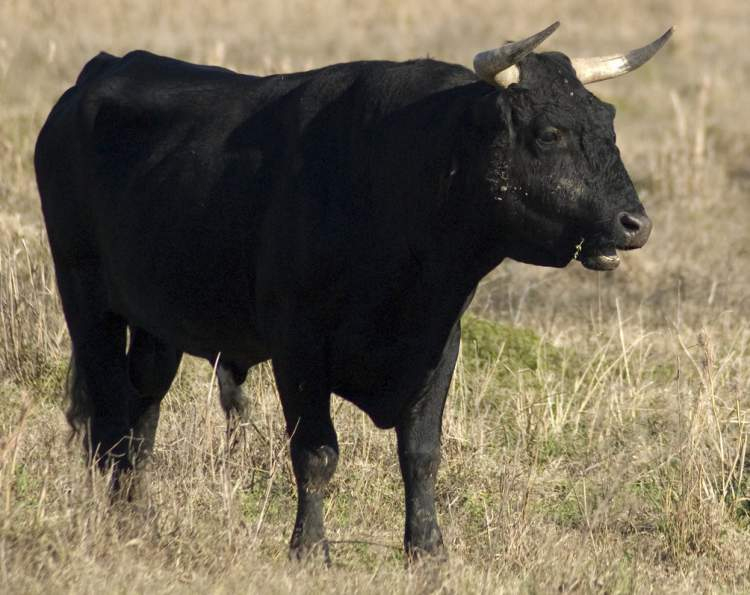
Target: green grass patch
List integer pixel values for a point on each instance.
(561, 505)
(485, 342)
(269, 497)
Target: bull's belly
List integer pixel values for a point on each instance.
(201, 318)
(384, 409)
(383, 394)
(382, 382)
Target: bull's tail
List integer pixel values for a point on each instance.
(79, 400)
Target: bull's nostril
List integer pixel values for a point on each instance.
(631, 224)
(632, 229)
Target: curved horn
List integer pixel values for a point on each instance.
(497, 66)
(601, 68)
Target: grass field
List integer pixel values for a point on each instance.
(596, 433)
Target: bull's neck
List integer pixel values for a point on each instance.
(454, 249)
(420, 178)
(447, 231)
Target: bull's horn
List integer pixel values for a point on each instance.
(601, 68)
(497, 66)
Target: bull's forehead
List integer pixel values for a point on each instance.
(549, 68)
(551, 82)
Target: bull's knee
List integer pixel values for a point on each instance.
(420, 466)
(315, 467)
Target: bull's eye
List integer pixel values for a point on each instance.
(549, 135)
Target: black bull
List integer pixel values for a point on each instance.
(336, 222)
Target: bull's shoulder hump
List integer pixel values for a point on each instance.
(421, 75)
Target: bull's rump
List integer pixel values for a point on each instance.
(138, 177)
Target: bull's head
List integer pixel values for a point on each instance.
(554, 169)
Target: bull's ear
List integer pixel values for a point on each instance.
(490, 112)
(505, 113)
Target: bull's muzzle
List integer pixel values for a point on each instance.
(631, 230)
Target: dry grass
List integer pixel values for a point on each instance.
(608, 457)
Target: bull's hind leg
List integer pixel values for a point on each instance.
(418, 436)
(152, 365)
(305, 399)
(234, 402)
(101, 390)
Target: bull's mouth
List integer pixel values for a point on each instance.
(598, 250)
(597, 256)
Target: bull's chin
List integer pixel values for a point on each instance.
(601, 258)
(601, 262)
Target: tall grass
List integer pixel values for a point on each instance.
(596, 434)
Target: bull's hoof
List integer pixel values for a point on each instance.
(431, 550)
(126, 486)
(116, 466)
(310, 553)
(235, 430)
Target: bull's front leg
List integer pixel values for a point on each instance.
(418, 436)
(314, 449)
